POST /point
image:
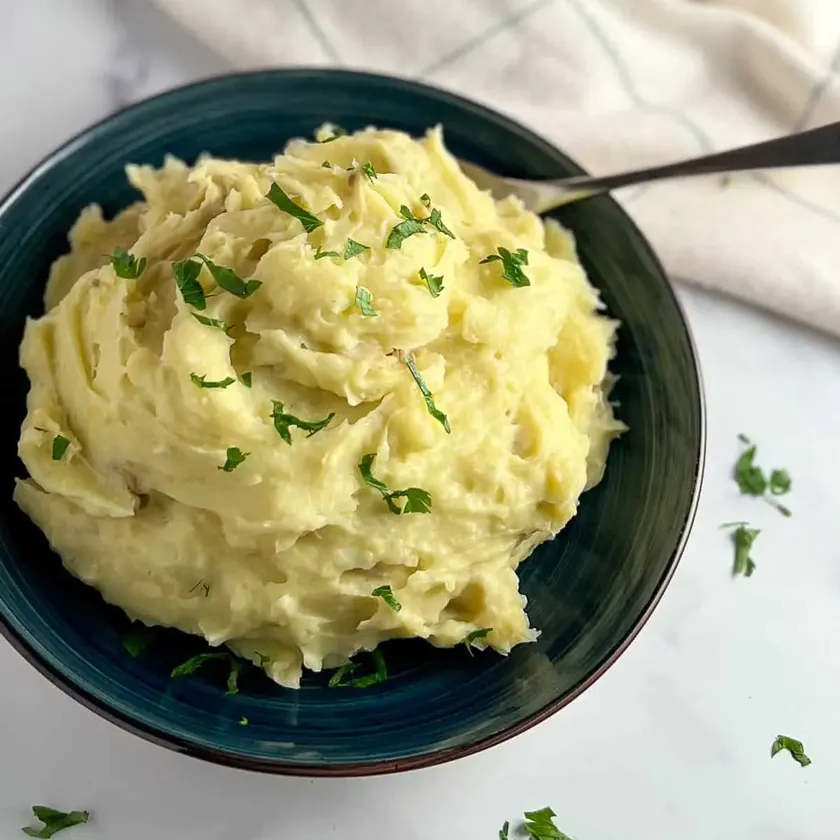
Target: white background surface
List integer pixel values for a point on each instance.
(672, 744)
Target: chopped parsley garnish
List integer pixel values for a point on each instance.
(243, 721)
(195, 662)
(235, 456)
(283, 422)
(246, 378)
(203, 585)
(137, 642)
(125, 265)
(413, 225)
(793, 746)
(364, 300)
(202, 381)
(416, 500)
(426, 200)
(436, 222)
(743, 538)
(186, 278)
(474, 636)
(434, 283)
(752, 481)
(354, 248)
(284, 203)
(54, 821)
(512, 263)
(319, 254)
(228, 279)
(387, 595)
(402, 231)
(539, 825)
(59, 447)
(368, 171)
(326, 165)
(427, 395)
(337, 131)
(212, 322)
(340, 679)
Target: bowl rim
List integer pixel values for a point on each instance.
(435, 757)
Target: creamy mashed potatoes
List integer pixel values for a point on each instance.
(199, 436)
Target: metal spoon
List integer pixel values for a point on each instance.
(808, 148)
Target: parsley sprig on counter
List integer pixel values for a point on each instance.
(539, 825)
(283, 422)
(387, 595)
(126, 265)
(743, 538)
(416, 500)
(752, 481)
(794, 747)
(54, 821)
(512, 262)
(282, 201)
(427, 395)
(341, 678)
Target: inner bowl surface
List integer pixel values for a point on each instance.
(589, 590)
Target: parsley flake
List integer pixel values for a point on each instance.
(433, 283)
(752, 481)
(229, 280)
(512, 263)
(402, 231)
(246, 378)
(137, 642)
(427, 395)
(340, 678)
(436, 222)
(235, 457)
(54, 821)
(364, 300)
(326, 165)
(212, 322)
(425, 200)
(743, 538)
(189, 667)
(202, 382)
(203, 585)
(387, 595)
(354, 248)
(243, 721)
(125, 265)
(416, 500)
(283, 422)
(539, 825)
(794, 747)
(319, 254)
(284, 203)
(368, 171)
(59, 447)
(186, 278)
(337, 131)
(475, 636)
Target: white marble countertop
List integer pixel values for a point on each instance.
(671, 744)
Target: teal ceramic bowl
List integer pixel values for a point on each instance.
(589, 591)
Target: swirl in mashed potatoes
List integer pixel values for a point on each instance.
(179, 495)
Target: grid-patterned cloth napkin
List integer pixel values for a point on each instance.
(618, 84)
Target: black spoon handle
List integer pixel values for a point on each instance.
(809, 148)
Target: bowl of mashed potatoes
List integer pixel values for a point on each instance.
(321, 460)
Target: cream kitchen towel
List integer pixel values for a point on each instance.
(618, 84)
